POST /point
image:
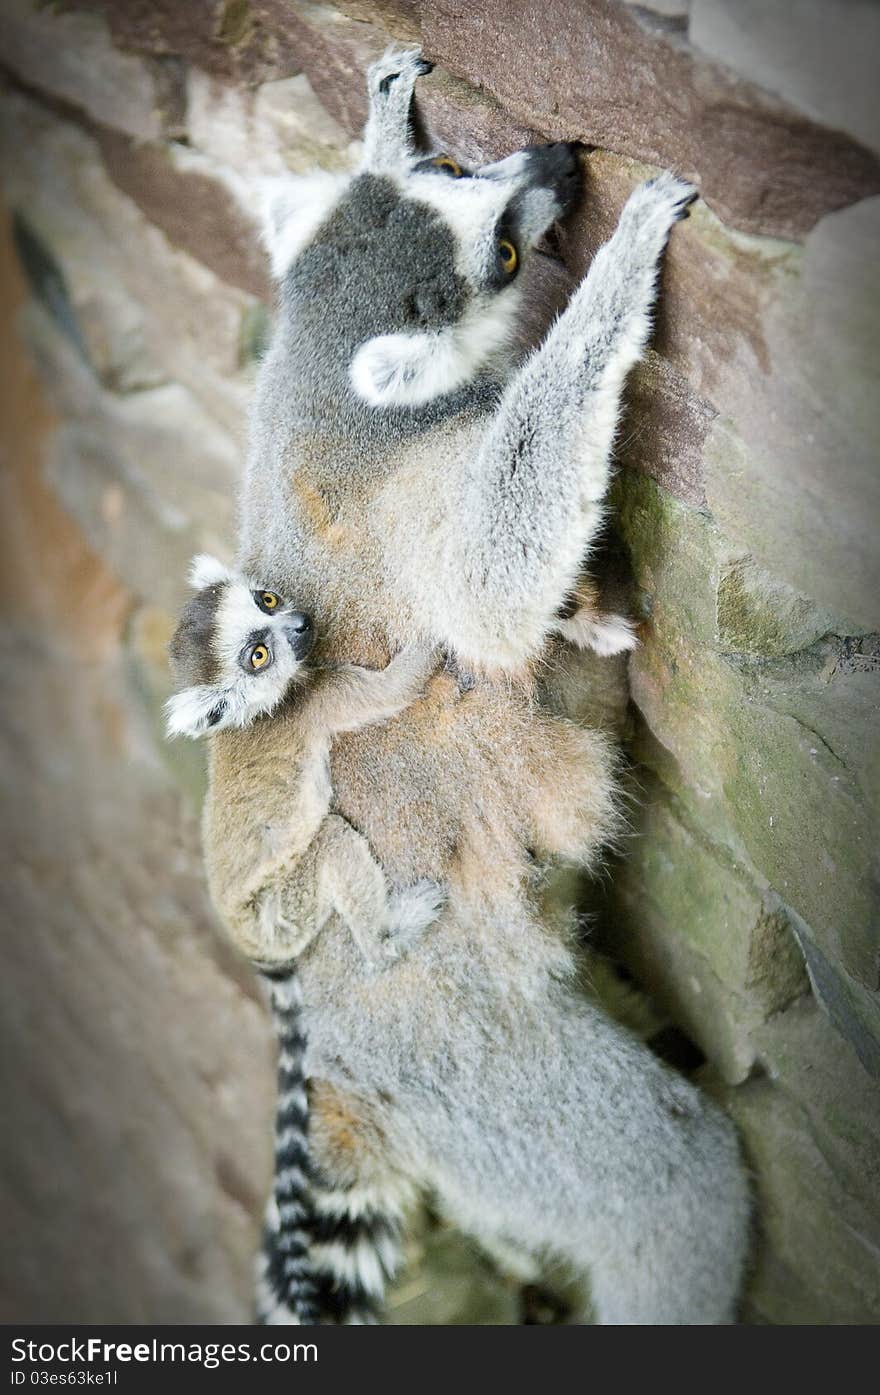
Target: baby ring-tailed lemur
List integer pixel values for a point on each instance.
(412, 479)
(239, 654)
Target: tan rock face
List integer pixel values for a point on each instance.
(608, 81)
(743, 522)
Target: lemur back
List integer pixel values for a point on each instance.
(411, 479)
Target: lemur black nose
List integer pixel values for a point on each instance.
(561, 157)
(299, 633)
(558, 166)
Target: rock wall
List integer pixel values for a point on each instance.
(745, 509)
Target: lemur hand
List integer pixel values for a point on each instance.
(412, 668)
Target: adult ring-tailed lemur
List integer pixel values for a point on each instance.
(409, 481)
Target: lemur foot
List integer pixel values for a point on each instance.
(412, 909)
(397, 70)
(605, 634)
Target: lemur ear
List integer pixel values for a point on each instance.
(195, 711)
(293, 207)
(407, 370)
(205, 570)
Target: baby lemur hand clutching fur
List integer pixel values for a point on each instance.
(412, 480)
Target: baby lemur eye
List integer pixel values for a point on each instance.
(446, 162)
(259, 656)
(507, 255)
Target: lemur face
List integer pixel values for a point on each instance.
(416, 263)
(235, 652)
(461, 270)
(498, 212)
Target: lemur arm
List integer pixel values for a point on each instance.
(531, 498)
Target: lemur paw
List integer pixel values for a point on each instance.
(412, 667)
(665, 199)
(604, 633)
(412, 909)
(393, 67)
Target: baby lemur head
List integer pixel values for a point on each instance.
(235, 652)
(410, 270)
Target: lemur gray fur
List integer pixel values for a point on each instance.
(410, 481)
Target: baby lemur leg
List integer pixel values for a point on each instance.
(351, 882)
(388, 139)
(573, 810)
(531, 497)
(358, 1201)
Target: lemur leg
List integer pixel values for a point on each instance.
(388, 141)
(351, 882)
(359, 1200)
(573, 811)
(531, 497)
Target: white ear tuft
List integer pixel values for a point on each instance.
(407, 370)
(205, 570)
(395, 370)
(195, 711)
(292, 208)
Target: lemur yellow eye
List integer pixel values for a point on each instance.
(446, 162)
(508, 255)
(259, 656)
(269, 599)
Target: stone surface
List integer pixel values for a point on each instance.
(811, 1130)
(276, 127)
(221, 36)
(146, 312)
(759, 615)
(714, 944)
(821, 60)
(197, 211)
(607, 81)
(149, 477)
(768, 480)
(72, 57)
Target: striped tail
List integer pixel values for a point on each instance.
(286, 1288)
(328, 1249)
(356, 1249)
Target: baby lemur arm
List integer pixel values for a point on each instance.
(300, 877)
(531, 496)
(350, 697)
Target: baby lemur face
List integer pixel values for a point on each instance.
(235, 652)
